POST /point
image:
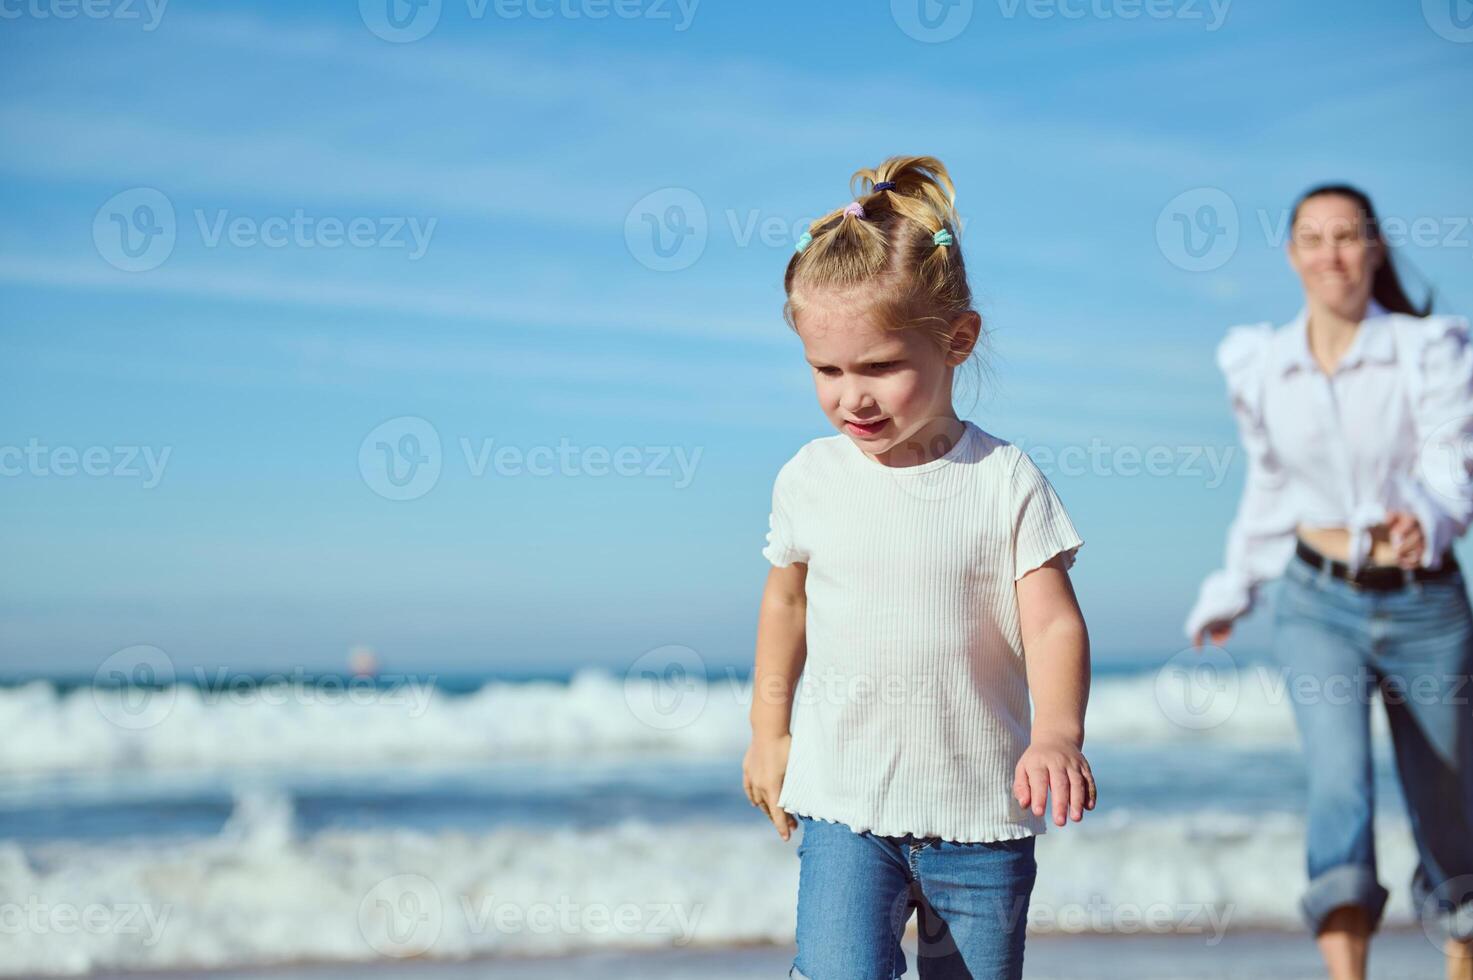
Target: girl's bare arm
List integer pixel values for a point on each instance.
(781, 652)
(781, 649)
(1056, 650)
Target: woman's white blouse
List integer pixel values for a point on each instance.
(1390, 429)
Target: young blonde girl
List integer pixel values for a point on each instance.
(919, 595)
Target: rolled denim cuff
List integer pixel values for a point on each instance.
(1345, 884)
(1450, 907)
(1459, 923)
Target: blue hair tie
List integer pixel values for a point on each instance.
(943, 237)
(884, 185)
(803, 241)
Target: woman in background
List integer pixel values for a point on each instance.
(1357, 417)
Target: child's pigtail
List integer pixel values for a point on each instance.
(899, 236)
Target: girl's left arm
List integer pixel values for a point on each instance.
(1056, 652)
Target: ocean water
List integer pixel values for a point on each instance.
(219, 821)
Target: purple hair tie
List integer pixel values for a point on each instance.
(855, 209)
(884, 185)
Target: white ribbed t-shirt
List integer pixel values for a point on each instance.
(912, 709)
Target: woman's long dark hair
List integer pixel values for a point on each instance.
(1386, 287)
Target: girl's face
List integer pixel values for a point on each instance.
(1334, 255)
(878, 387)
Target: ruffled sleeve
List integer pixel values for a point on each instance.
(1261, 536)
(782, 547)
(1041, 526)
(1437, 361)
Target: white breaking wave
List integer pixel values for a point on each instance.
(257, 894)
(596, 713)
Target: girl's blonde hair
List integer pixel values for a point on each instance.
(891, 255)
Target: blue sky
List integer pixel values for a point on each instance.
(534, 154)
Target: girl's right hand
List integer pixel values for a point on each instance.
(763, 768)
(1218, 631)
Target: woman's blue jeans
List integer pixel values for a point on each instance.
(856, 892)
(1339, 645)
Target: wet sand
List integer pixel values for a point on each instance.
(1395, 955)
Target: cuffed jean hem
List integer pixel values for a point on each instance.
(1450, 912)
(1460, 923)
(1453, 923)
(1345, 884)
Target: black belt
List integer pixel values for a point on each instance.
(1379, 578)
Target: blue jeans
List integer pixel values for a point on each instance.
(1339, 645)
(856, 892)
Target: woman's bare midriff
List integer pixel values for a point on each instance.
(1335, 542)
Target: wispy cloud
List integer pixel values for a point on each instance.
(532, 314)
